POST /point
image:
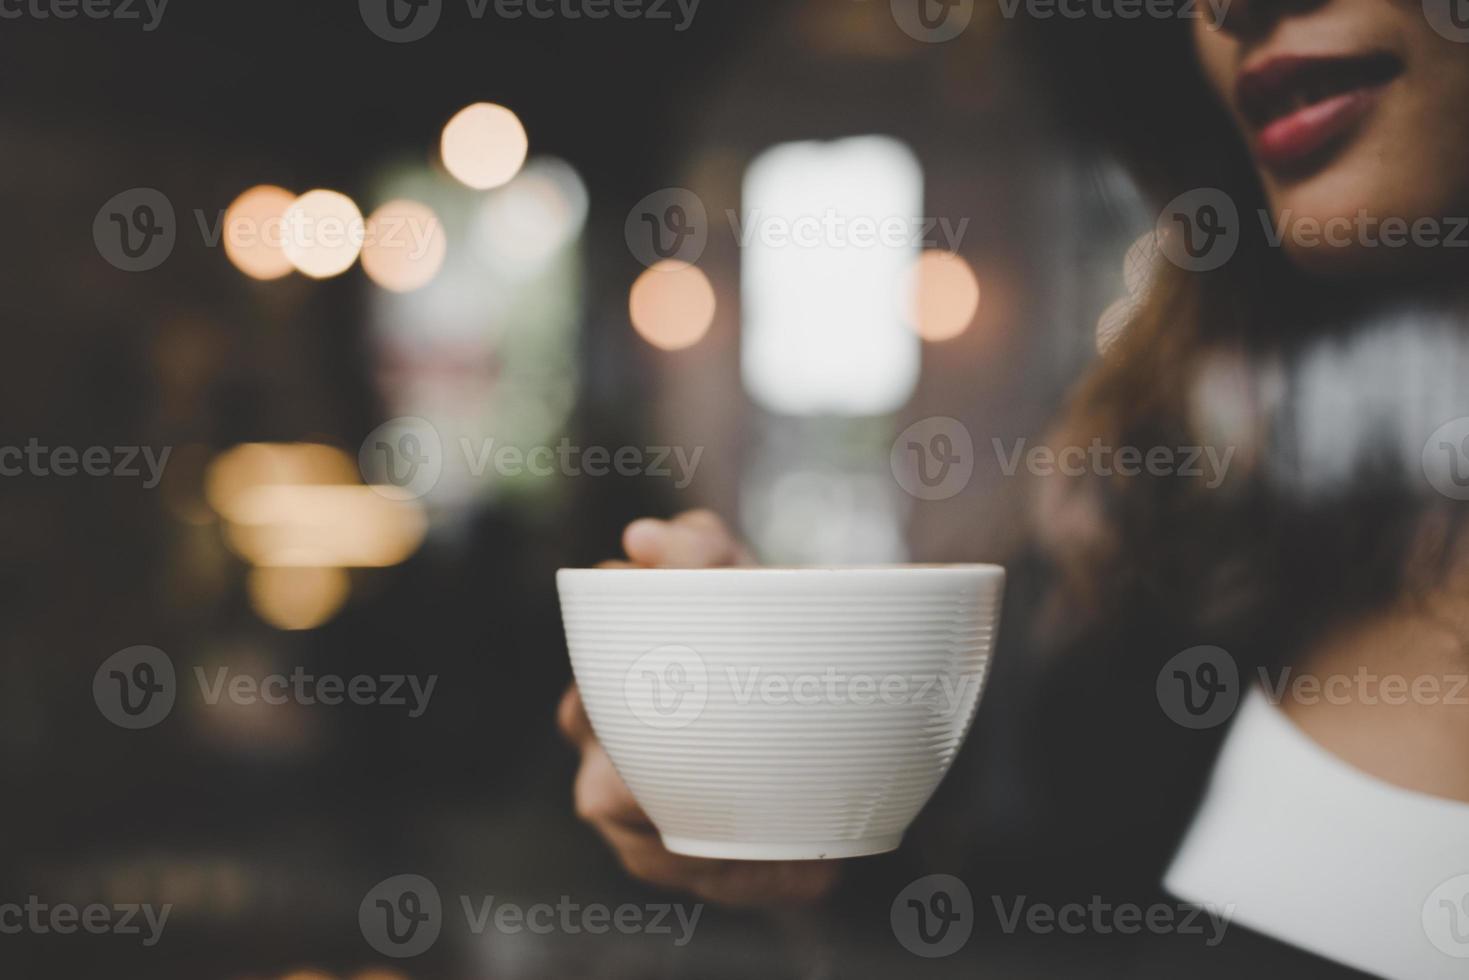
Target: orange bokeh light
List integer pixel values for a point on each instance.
(484, 145)
(323, 232)
(672, 305)
(405, 246)
(945, 296)
(253, 232)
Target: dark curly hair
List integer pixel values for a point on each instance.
(1303, 535)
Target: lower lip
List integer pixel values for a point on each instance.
(1290, 140)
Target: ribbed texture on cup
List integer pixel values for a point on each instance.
(764, 707)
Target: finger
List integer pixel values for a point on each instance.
(601, 795)
(641, 853)
(615, 563)
(701, 518)
(687, 541)
(738, 884)
(571, 718)
(765, 883)
(604, 801)
(710, 523)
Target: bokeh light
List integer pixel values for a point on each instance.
(524, 224)
(296, 598)
(484, 145)
(405, 246)
(672, 305)
(253, 232)
(238, 471)
(945, 296)
(301, 508)
(323, 232)
(351, 526)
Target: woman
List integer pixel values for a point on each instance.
(1328, 348)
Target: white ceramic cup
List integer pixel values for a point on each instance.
(781, 713)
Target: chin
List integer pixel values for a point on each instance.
(1347, 221)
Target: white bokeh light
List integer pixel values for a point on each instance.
(826, 304)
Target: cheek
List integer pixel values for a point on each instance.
(1217, 53)
(1434, 121)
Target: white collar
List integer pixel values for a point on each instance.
(1321, 856)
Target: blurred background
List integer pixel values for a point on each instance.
(381, 313)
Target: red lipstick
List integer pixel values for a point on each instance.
(1301, 106)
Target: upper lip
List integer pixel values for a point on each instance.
(1277, 85)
